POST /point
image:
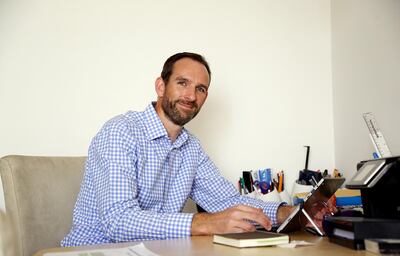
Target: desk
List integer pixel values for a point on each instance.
(203, 245)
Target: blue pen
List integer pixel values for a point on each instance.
(375, 155)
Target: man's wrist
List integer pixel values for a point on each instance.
(199, 224)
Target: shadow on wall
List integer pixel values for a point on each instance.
(216, 112)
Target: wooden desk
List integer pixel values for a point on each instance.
(203, 245)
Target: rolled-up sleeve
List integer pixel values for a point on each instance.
(214, 193)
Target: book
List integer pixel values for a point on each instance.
(348, 197)
(251, 239)
(383, 246)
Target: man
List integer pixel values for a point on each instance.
(143, 166)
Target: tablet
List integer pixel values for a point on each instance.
(321, 192)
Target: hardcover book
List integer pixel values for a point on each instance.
(251, 239)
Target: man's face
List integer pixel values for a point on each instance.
(186, 91)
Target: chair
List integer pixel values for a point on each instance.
(40, 193)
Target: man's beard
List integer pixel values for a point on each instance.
(173, 114)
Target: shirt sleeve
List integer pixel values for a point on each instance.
(214, 193)
(112, 165)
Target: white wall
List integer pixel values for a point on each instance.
(366, 76)
(68, 66)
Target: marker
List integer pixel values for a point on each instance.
(243, 186)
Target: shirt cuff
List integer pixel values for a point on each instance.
(182, 226)
(272, 211)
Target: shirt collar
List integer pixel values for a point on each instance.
(155, 128)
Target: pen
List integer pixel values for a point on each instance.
(313, 181)
(276, 183)
(243, 186)
(327, 207)
(251, 182)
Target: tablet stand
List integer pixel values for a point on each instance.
(312, 222)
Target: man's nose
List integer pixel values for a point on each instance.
(190, 93)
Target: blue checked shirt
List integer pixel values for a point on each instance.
(137, 181)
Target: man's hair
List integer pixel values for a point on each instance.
(169, 63)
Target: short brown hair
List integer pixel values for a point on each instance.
(169, 63)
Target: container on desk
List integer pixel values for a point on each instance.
(299, 192)
(273, 196)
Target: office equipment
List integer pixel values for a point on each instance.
(307, 155)
(379, 183)
(351, 231)
(280, 182)
(376, 136)
(251, 239)
(321, 192)
(308, 177)
(383, 246)
(265, 180)
(248, 180)
(243, 186)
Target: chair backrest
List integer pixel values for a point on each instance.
(39, 194)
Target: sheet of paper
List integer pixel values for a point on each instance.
(136, 250)
(295, 243)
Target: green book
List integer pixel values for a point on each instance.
(251, 239)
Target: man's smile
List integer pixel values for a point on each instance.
(187, 105)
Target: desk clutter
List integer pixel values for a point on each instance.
(267, 185)
(260, 181)
(138, 249)
(263, 185)
(369, 206)
(378, 183)
(308, 179)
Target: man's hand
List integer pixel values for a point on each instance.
(232, 220)
(283, 212)
(317, 212)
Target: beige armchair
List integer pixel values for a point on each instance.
(40, 193)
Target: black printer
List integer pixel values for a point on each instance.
(379, 183)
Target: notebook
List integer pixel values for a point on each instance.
(251, 239)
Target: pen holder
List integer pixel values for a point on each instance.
(272, 196)
(284, 195)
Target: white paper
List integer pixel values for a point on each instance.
(136, 250)
(295, 243)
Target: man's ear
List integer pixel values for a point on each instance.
(160, 87)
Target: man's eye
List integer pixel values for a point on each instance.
(202, 89)
(183, 83)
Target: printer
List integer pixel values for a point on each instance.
(379, 183)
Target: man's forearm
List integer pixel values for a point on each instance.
(133, 225)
